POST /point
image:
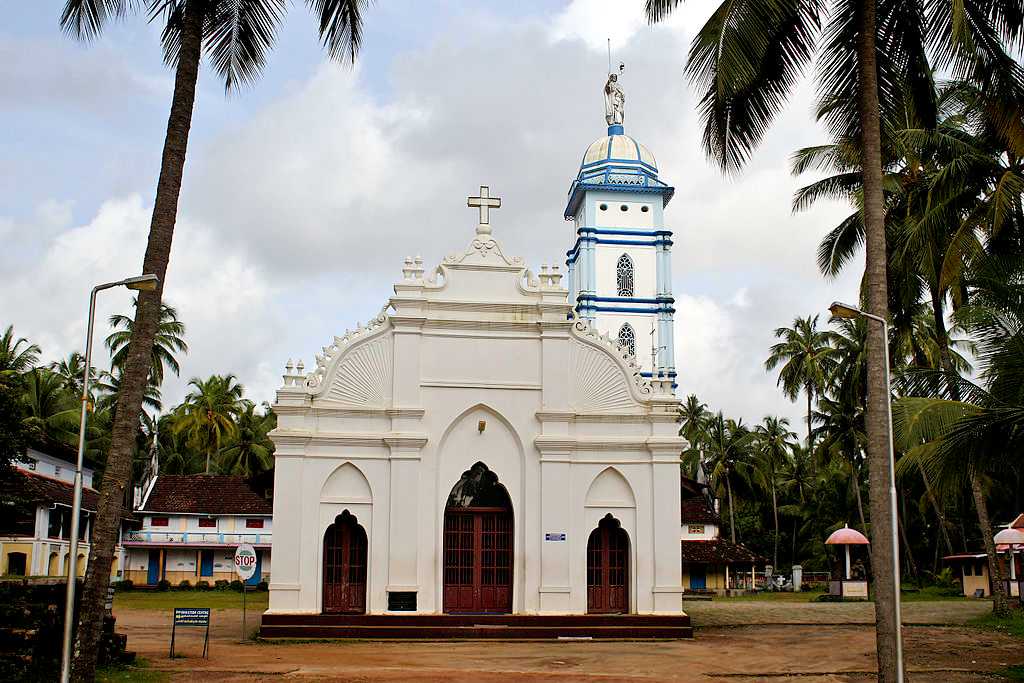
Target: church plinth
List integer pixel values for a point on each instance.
(478, 627)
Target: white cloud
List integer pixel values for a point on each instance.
(213, 287)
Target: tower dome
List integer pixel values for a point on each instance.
(616, 162)
(618, 148)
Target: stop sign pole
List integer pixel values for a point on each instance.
(245, 567)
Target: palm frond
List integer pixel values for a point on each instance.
(841, 244)
(84, 19)
(240, 33)
(341, 26)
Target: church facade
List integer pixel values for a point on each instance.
(492, 442)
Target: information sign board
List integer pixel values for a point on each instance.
(555, 537)
(191, 616)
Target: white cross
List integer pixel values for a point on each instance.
(484, 203)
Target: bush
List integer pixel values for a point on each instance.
(125, 585)
(163, 585)
(202, 585)
(185, 585)
(236, 586)
(262, 586)
(221, 584)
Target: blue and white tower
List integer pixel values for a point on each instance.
(620, 267)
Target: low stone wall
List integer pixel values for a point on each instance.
(32, 627)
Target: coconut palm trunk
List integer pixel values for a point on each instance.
(855, 472)
(107, 524)
(809, 390)
(1000, 602)
(943, 532)
(877, 413)
(732, 516)
(775, 517)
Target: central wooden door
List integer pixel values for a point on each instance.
(608, 568)
(478, 560)
(344, 566)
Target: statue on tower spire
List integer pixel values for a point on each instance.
(614, 99)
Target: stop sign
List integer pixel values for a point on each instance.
(245, 561)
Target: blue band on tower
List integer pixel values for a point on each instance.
(616, 129)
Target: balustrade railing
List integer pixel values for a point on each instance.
(197, 537)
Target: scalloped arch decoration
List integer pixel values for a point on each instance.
(363, 377)
(598, 383)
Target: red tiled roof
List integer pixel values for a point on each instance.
(38, 488)
(717, 551)
(205, 494)
(694, 507)
(695, 510)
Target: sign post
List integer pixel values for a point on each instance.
(245, 567)
(191, 616)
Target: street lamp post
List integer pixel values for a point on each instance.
(841, 310)
(139, 283)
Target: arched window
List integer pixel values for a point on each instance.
(624, 276)
(627, 339)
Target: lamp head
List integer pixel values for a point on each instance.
(841, 310)
(142, 283)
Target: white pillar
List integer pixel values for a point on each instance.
(847, 548)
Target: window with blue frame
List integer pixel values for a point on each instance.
(624, 276)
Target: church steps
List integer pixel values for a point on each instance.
(482, 626)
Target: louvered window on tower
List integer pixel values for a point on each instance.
(627, 339)
(624, 275)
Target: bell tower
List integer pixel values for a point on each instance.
(620, 264)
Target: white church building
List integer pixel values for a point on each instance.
(497, 440)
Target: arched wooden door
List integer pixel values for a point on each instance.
(608, 568)
(478, 545)
(344, 566)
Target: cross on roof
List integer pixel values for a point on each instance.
(484, 202)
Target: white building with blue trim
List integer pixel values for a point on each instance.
(620, 265)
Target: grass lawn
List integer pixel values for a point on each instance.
(927, 594)
(136, 673)
(802, 596)
(255, 601)
(1014, 626)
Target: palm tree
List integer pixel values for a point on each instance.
(774, 442)
(693, 417)
(208, 414)
(108, 386)
(805, 354)
(796, 481)
(726, 445)
(16, 355)
(167, 342)
(748, 58)
(250, 451)
(51, 410)
(964, 435)
(843, 441)
(70, 370)
(237, 38)
(947, 187)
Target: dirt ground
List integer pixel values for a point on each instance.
(806, 643)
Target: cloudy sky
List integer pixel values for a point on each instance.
(304, 192)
